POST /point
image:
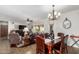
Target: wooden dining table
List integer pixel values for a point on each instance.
(50, 44)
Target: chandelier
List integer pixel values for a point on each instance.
(53, 15)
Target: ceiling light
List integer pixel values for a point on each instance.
(53, 15)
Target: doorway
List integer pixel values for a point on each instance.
(3, 29)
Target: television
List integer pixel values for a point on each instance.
(22, 26)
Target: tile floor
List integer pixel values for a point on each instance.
(5, 49)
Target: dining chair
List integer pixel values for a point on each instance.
(61, 47)
(14, 39)
(40, 46)
(60, 34)
(26, 39)
(65, 42)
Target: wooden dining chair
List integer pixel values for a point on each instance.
(40, 46)
(60, 34)
(14, 39)
(65, 42)
(61, 47)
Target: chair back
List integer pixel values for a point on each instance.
(42, 35)
(46, 35)
(40, 47)
(14, 38)
(63, 43)
(60, 34)
(66, 39)
(61, 46)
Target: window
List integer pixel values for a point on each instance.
(38, 28)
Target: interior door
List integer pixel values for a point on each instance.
(3, 29)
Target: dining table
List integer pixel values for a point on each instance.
(50, 44)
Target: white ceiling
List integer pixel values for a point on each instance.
(33, 12)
